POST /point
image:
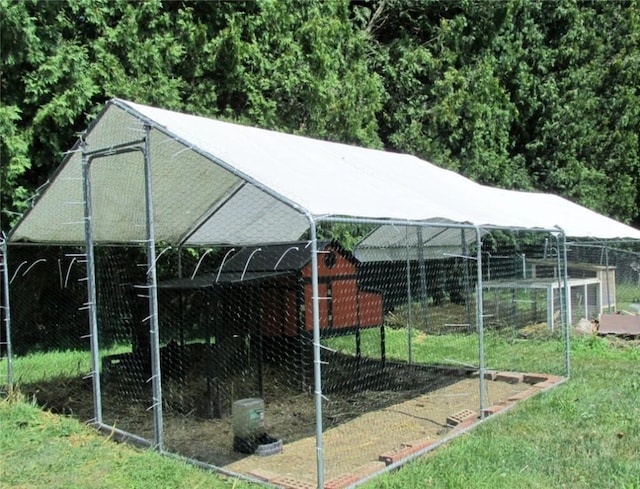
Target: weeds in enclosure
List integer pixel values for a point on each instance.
(73, 364)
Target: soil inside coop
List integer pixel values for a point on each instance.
(362, 419)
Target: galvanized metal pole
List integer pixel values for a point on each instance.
(467, 277)
(4, 269)
(567, 321)
(480, 320)
(317, 360)
(409, 300)
(607, 278)
(92, 303)
(423, 278)
(152, 288)
(566, 297)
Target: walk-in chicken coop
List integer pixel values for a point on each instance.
(288, 310)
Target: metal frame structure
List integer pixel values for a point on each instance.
(415, 250)
(151, 291)
(142, 146)
(151, 288)
(88, 157)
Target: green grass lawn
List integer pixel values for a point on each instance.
(583, 434)
(41, 450)
(503, 349)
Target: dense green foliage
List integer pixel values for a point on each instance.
(519, 94)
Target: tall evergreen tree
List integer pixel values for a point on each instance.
(282, 65)
(519, 94)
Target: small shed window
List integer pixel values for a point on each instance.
(330, 260)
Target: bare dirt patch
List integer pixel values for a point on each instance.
(352, 444)
(364, 415)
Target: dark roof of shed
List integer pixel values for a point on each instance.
(278, 257)
(213, 279)
(256, 263)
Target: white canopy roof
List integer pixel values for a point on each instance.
(215, 182)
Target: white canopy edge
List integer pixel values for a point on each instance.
(199, 166)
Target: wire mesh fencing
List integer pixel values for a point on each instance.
(49, 338)
(618, 266)
(305, 360)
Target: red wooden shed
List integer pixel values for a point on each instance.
(263, 294)
(280, 280)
